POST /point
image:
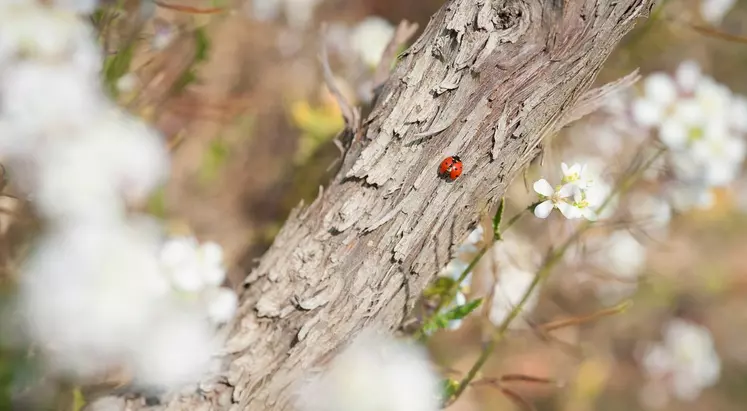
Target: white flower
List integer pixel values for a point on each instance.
(650, 213)
(703, 124)
(164, 34)
(576, 175)
(176, 351)
(221, 304)
(688, 75)
(88, 294)
(373, 373)
(554, 199)
(511, 286)
(621, 255)
(191, 266)
(579, 194)
(34, 31)
(713, 11)
(514, 262)
(685, 197)
(370, 37)
(114, 161)
(685, 362)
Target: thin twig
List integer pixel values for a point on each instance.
(349, 113)
(405, 30)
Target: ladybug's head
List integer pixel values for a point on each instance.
(456, 158)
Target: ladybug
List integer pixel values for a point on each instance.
(450, 168)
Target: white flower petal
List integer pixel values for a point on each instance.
(647, 113)
(543, 209)
(688, 75)
(544, 188)
(660, 88)
(222, 305)
(568, 190)
(674, 134)
(589, 214)
(570, 212)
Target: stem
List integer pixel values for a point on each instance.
(449, 297)
(543, 272)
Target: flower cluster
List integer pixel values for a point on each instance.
(103, 289)
(577, 196)
(373, 373)
(702, 124)
(684, 363)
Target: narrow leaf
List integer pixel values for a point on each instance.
(440, 287)
(448, 389)
(497, 219)
(202, 44)
(457, 313)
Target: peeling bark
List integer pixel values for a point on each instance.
(487, 80)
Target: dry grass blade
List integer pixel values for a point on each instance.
(405, 30)
(592, 100)
(189, 9)
(555, 325)
(349, 113)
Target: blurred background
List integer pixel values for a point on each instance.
(237, 89)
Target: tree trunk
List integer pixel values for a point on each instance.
(486, 81)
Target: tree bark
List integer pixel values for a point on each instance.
(487, 80)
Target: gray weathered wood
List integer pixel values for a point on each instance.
(486, 80)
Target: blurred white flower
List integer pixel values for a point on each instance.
(299, 13)
(515, 263)
(164, 33)
(373, 373)
(370, 37)
(685, 362)
(195, 269)
(650, 213)
(176, 352)
(116, 160)
(702, 123)
(191, 266)
(622, 256)
(511, 286)
(713, 11)
(686, 197)
(95, 296)
(88, 293)
(221, 304)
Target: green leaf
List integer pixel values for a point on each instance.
(440, 287)
(116, 66)
(213, 160)
(497, 219)
(79, 400)
(459, 312)
(442, 320)
(157, 203)
(202, 45)
(189, 75)
(186, 78)
(449, 387)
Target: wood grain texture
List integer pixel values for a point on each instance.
(487, 80)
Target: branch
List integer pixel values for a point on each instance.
(502, 74)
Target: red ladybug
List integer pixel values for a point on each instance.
(450, 168)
